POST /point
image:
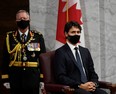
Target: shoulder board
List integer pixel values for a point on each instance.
(36, 32)
(10, 32)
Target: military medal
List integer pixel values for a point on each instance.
(23, 50)
(33, 55)
(37, 46)
(24, 58)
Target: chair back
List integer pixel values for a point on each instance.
(46, 65)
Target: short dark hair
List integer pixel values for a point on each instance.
(69, 25)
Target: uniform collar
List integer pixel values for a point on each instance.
(26, 33)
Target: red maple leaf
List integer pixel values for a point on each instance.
(73, 15)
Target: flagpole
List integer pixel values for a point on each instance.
(67, 18)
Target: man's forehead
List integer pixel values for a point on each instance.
(73, 27)
(22, 15)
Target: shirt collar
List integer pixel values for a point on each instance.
(72, 46)
(26, 33)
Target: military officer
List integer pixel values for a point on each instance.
(20, 56)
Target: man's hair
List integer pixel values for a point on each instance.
(20, 11)
(69, 25)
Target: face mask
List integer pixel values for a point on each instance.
(23, 24)
(74, 39)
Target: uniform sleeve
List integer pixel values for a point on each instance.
(5, 59)
(42, 44)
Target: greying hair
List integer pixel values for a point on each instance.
(20, 11)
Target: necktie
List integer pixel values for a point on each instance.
(80, 66)
(24, 57)
(23, 38)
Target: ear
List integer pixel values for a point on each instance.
(66, 34)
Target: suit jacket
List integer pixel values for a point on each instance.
(18, 77)
(66, 69)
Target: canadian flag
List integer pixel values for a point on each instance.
(69, 10)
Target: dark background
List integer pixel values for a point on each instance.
(8, 10)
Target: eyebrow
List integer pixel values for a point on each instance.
(75, 31)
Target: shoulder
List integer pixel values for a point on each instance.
(84, 49)
(10, 33)
(36, 32)
(63, 49)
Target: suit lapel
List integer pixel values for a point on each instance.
(70, 54)
(82, 55)
(82, 52)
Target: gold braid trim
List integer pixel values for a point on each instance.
(16, 49)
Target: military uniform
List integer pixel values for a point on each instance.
(20, 61)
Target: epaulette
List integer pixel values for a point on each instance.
(34, 31)
(10, 32)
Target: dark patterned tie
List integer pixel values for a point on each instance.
(23, 51)
(80, 66)
(23, 38)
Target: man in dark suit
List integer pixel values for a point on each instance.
(76, 71)
(20, 56)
